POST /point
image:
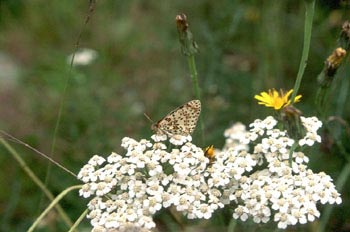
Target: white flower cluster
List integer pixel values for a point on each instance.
(311, 124)
(252, 171)
(285, 188)
(128, 190)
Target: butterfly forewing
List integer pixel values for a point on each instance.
(181, 121)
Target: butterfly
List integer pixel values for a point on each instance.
(181, 121)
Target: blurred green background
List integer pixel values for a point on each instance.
(245, 47)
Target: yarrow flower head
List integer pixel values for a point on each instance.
(252, 172)
(129, 189)
(275, 99)
(287, 193)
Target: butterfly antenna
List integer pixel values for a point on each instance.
(149, 119)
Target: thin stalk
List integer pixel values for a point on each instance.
(36, 180)
(292, 149)
(66, 84)
(309, 15)
(64, 94)
(53, 204)
(232, 225)
(77, 222)
(14, 139)
(320, 99)
(196, 89)
(194, 76)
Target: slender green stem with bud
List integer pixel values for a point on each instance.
(309, 15)
(189, 48)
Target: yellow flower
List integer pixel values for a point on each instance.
(275, 99)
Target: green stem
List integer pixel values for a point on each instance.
(82, 216)
(36, 180)
(343, 177)
(232, 225)
(309, 15)
(194, 77)
(320, 99)
(53, 204)
(64, 94)
(292, 149)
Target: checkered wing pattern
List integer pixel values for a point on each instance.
(181, 121)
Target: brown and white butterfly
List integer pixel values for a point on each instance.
(181, 121)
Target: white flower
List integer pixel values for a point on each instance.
(154, 188)
(128, 169)
(86, 191)
(257, 127)
(159, 137)
(262, 215)
(96, 160)
(101, 189)
(235, 131)
(111, 221)
(131, 215)
(137, 189)
(183, 169)
(85, 173)
(234, 135)
(300, 157)
(283, 220)
(311, 125)
(83, 56)
(183, 203)
(203, 211)
(269, 123)
(312, 212)
(152, 204)
(147, 222)
(167, 199)
(114, 158)
(241, 212)
(180, 139)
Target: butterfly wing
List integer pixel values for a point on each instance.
(181, 121)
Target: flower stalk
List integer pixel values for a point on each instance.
(309, 15)
(52, 204)
(189, 48)
(332, 64)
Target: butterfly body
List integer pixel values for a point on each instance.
(181, 121)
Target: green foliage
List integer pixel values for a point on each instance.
(245, 47)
